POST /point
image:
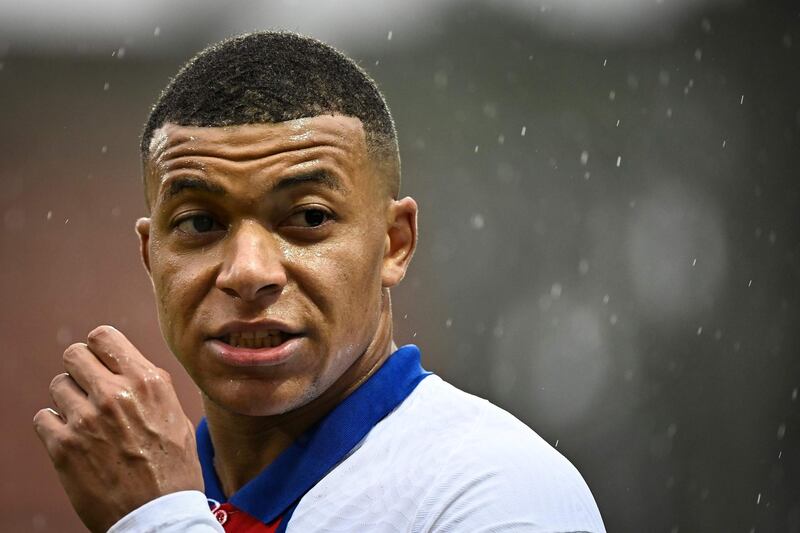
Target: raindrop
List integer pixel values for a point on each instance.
(613, 319)
(750, 283)
(605, 62)
(524, 129)
(787, 40)
(741, 100)
(694, 261)
(39, 522)
(672, 430)
(619, 160)
(555, 291)
(700, 330)
(724, 142)
(477, 221)
(618, 123)
(781, 431)
(606, 299)
(698, 54)
(106, 86)
(120, 53)
(104, 149)
(669, 112)
(476, 148)
(584, 157)
(758, 498)
(156, 31)
(583, 267)
(772, 237)
(706, 25)
(663, 77)
(556, 443)
(389, 36)
(794, 393)
(612, 95)
(49, 215)
(448, 323)
(64, 335)
(501, 139)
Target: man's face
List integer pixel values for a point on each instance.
(267, 247)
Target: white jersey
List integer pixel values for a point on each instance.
(441, 460)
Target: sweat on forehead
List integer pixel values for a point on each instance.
(251, 138)
(287, 147)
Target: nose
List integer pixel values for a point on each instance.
(253, 265)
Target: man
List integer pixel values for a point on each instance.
(275, 233)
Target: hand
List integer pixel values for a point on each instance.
(119, 438)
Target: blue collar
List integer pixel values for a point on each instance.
(298, 468)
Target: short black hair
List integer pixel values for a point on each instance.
(273, 76)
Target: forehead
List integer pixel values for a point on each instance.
(338, 139)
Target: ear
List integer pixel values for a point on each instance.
(401, 241)
(143, 231)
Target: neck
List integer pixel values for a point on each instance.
(245, 445)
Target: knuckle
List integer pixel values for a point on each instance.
(73, 351)
(100, 333)
(162, 376)
(66, 444)
(39, 417)
(56, 382)
(108, 403)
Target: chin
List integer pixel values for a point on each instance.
(259, 397)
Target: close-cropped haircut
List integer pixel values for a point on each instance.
(269, 77)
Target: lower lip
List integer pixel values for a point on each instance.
(238, 356)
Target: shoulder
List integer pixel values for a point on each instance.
(492, 465)
(446, 461)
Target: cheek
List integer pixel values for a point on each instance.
(180, 282)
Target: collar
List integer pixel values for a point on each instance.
(315, 453)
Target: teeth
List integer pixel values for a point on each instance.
(259, 339)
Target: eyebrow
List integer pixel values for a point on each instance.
(319, 177)
(183, 183)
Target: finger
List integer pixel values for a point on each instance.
(85, 368)
(116, 351)
(67, 396)
(50, 427)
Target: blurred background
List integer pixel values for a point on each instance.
(610, 237)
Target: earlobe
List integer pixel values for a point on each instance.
(401, 241)
(143, 231)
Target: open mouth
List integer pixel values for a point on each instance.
(257, 339)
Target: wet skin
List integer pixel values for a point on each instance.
(287, 225)
(288, 230)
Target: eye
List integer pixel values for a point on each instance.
(197, 224)
(309, 218)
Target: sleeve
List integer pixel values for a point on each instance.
(180, 512)
(509, 482)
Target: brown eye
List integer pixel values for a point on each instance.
(308, 218)
(199, 224)
(315, 217)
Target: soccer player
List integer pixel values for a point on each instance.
(274, 234)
